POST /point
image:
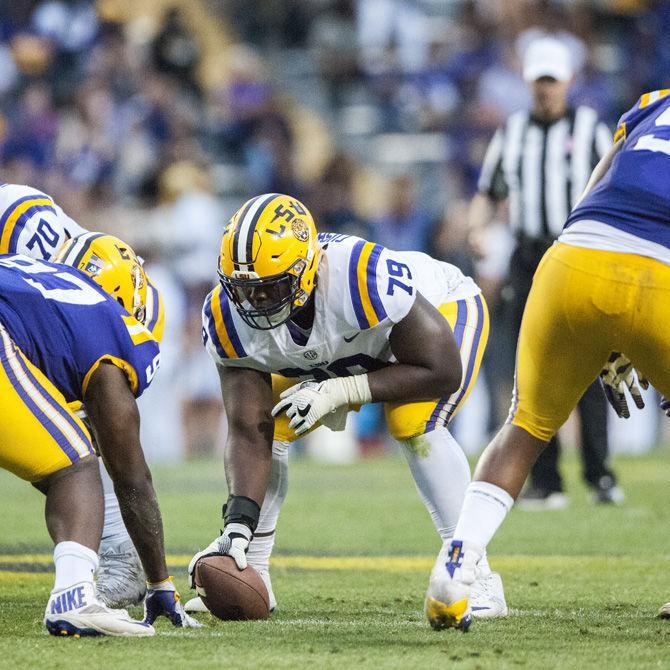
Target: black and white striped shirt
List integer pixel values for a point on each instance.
(543, 167)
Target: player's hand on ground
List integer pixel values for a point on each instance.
(617, 375)
(162, 599)
(233, 542)
(306, 403)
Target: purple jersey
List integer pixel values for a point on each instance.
(634, 194)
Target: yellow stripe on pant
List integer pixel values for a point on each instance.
(39, 435)
(584, 304)
(469, 320)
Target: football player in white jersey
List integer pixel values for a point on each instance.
(357, 323)
(31, 223)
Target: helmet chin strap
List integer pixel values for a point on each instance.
(138, 309)
(304, 316)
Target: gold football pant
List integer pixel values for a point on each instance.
(39, 435)
(469, 321)
(585, 304)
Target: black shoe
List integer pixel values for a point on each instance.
(535, 499)
(606, 492)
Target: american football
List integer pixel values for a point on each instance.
(229, 593)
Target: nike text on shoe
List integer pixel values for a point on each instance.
(447, 599)
(77, 612)
(121, 581)
(487, 597)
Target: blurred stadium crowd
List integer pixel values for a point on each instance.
(155, 120)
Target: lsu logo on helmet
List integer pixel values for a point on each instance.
(269, 258)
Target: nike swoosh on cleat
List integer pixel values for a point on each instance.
(476, 609)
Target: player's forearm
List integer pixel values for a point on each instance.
(142, 517)
(247, 465)
(412, 383)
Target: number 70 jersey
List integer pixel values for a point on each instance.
(31, 223)
(362, 290)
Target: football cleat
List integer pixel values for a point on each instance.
(196, 605)
(606, 492)
(121, 581)
(535, 499)
(448, 597)
(77, 612)
(664, 612)
(265, 576)
(487, 597)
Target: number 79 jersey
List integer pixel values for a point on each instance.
(362, 290)
(66, 326)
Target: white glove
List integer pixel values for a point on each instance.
(617, 374)
(308, 402)
(233, 542)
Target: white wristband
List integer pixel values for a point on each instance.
(355, 389)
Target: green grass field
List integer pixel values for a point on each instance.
(352, 560)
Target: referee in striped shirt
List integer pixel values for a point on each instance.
(539, 162)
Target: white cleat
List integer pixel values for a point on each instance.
(121, 580)
(448, 597)
(265, 576)
(487, 597)
(77, 612)
(197, 606)
(664, 612)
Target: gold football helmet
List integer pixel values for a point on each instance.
(269, 258)
(113, 265)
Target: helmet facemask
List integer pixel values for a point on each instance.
(266, 302)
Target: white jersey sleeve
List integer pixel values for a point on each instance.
(219, 332)
(378, 287)
(31, 223)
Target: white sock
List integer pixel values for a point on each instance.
(114, 529)
(75, 563)
(441, 473)
(264, 537)
(484, 509)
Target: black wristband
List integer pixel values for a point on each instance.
(240, 509)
